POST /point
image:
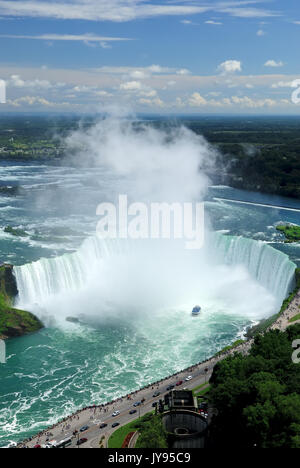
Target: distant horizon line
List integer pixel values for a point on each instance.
(142, 114)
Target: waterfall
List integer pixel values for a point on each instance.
(270, 267)
(70, 272)
(38, 280)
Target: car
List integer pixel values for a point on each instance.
(156, 394)
(116, 424)
(133, 411)
(102, 426)
(138, 403)
(180, 382)
(189, 378)
(81, 441)
(84, 428)
(170, 387)
(116, 413)
(37, 446)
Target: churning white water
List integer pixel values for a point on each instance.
(135, 277)
(248, 277)
(133, 299)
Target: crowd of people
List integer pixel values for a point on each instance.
(66, 423)
(243, 348)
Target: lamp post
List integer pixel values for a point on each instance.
(77, 435)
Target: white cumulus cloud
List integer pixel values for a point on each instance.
(273, 64)
(131, 86)
(230, 67)
(196, 100)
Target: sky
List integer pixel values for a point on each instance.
(151, 56)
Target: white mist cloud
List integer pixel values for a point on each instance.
(159, 163)
(132, 279)
(230, 67)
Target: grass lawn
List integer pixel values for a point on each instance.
(202, 392)
(198, 388)
(294, 319)
(117, 438)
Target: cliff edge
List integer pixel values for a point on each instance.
(13, 322)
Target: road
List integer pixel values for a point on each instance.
(94, 417)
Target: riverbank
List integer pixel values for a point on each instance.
(291, 232)
(95, 413)
(13, 322)
(266, 324)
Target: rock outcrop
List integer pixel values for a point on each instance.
(13, 322)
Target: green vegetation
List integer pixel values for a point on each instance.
(291, 232)
(257, 153)
(152, 434)
(203, 392)
(292, 296)
(262, 326)
(53, 238)
(258, 396)
(198, 388)
(117, 438)
(9, 191)
(229, 348)
(295, 319)
(16, 232)
(150, 428)
(13, 322)
(267, 323)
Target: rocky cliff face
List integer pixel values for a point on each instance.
(13, 322)
(8, 284)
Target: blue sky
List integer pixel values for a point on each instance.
(180, 56)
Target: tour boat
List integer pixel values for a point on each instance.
(196, 310)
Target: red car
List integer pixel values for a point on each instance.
(179, 383)
(81, 441)
(37, 447)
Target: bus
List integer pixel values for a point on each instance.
(64, 443)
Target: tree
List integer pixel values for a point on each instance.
(258, 396)
(153, 434)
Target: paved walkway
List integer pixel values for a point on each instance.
(94, 416)
(293, 309)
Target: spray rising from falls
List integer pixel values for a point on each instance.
(164, 165)
(187, 277)
(270, 267)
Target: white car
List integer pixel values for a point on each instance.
(189, 378)
(116, 413)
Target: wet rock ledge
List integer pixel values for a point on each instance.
(13, 322)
